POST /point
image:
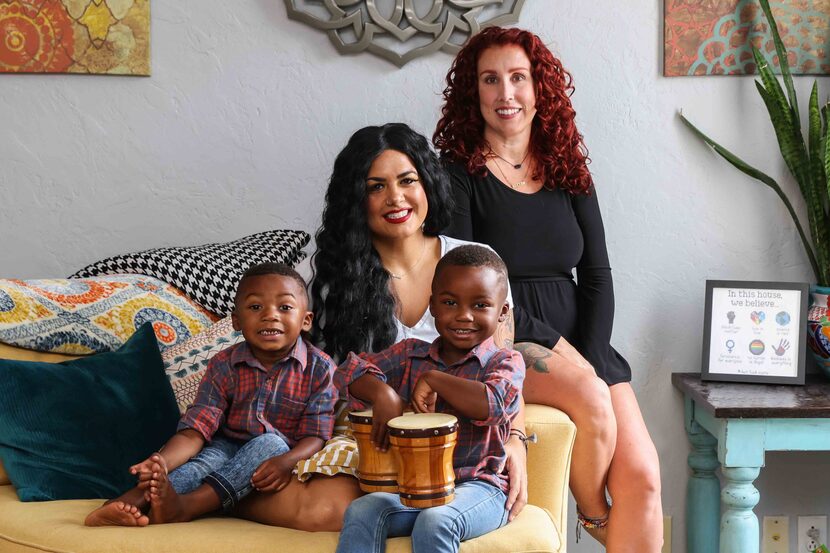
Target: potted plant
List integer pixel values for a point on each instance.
(809, 164)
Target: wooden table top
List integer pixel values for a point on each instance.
(729, 400)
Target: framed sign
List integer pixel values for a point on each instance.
(755, 331)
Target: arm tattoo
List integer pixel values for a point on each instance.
(534, 356)
(503, 336)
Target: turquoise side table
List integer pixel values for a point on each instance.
(732, 426)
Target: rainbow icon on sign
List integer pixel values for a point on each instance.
(756, 347)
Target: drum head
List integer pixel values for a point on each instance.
(423, 425)
(365, 416)
(361, 417)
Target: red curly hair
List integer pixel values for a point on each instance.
(554, 142)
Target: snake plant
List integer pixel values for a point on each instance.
(809, 163)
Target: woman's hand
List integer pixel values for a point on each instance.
(386, 406)
(516, 467)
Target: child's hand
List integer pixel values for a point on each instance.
(423, 396)
(272, 475)
(385, 408)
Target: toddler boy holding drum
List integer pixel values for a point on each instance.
(461, 373)
(262, 405)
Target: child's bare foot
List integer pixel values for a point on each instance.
(165, 504)
(144, 470)
(117, 513)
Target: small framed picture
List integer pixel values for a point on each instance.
(755, 331)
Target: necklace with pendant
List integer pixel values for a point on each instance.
(399, 276)
(515, 165)
(519, 184)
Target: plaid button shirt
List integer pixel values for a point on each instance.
(479, 449)
(241, 399)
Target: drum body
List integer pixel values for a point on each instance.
(377, 471)
(423, 445)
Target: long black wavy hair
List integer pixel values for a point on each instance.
(350, 293)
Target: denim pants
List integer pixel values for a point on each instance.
(227, 466)
(478, 508)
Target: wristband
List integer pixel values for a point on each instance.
(523, 437)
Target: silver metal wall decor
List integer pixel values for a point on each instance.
(401, 30)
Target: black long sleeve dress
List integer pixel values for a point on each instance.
(542, 237)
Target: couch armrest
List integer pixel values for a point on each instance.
(549, 461)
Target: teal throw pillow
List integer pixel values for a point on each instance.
(71, 430)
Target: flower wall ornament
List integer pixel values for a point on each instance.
(401, 30)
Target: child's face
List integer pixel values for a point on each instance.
(271, 311)
(468, 303)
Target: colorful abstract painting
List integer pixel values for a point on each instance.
(75, 36)
(715, 37)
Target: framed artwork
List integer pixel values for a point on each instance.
(109, 37)
(755, 331)
(715, 37)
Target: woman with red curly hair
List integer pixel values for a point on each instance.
(521, 184)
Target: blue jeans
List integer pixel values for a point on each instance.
(227, 466)
(478, 508)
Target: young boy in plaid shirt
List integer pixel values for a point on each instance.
(262, 405)
(461, 373)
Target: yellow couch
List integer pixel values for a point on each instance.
(57, 526)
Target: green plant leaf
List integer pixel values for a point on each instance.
(825, 148)
(818, 197)
(814, 128)
(783, 62)
(791, 143)
(826, 153)
(790, 140)
(808, 163)
(747, 169)
(771, 84)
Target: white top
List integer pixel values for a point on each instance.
(425, 329)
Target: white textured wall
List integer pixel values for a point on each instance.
(237, 129)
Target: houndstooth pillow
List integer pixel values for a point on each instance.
(209, 273)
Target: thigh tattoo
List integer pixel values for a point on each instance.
(535, 356)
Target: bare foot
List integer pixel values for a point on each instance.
(165, 504)
(117, 513)
(144, 476)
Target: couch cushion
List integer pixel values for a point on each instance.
(57, 526)
(83, 316)
(185, 363)
(23, 354)
(71, 429)
(207, 273)
(11, 352)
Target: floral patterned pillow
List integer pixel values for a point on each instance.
(185, 363)
(97, 314)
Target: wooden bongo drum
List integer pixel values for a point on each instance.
(423, 444)
(377, 471)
